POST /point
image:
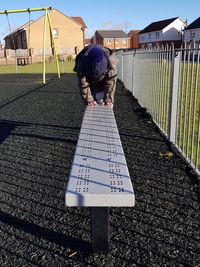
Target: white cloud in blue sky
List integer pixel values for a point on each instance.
(108, 25)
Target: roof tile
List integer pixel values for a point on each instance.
(112, 33)
(195, 24)
(158, 25)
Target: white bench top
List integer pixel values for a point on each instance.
(99, 176)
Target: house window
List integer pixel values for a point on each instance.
(108, 41)
(157, 35)
(123, 40)
(142, 37)
(149, 35)
(192, 34)
(116, 40)
(55, 32)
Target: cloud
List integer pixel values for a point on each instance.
(6, 30)
(108, 25)
(89, 32)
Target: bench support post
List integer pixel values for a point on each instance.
(100, 229)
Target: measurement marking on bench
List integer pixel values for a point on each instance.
(106, 172)
(100, 137)
(101, 143)
(108, 149)
(100, 129)
(111, 124)
(80, 181)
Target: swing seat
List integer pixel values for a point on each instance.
(22, 61)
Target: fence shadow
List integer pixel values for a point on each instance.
(48, 234)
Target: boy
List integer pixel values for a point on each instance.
(95, 66)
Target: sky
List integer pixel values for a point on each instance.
(123, 15)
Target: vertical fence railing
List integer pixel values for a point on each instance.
(120, 66)
(166, 81)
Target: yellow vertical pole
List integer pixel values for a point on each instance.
(54, 46)
(44, 46)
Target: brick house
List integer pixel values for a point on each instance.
(113, 39)
(68, 33)
(87, 41)
(192, 33)
(162, 32)
(134, 38)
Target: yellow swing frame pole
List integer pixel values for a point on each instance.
(24, 10)
(54, 45)
(44, 46)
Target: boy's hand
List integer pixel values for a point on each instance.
(92, 104)
(109, 104)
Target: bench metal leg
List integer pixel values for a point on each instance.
(100, 229)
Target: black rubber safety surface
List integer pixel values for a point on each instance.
(39, 128)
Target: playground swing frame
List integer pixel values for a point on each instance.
(46, 18)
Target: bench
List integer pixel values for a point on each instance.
(99, 176)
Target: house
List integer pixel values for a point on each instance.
(134, 38)
(192, 33)
(87, 41)
(113, 39)
(68, 33)
(162, 32)
(1, 46)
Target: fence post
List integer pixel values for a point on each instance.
(16, 66)
(122, 66)
(133, 73)
(173, 97)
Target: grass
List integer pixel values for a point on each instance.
(187, 128)
(188, 112)
(37, 68)
(154, 79)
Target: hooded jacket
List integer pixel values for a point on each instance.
(89, 87)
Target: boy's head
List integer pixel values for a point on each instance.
(96, 63)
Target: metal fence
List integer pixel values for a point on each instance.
(60, 51)
(167, 82)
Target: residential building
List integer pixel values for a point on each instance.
(1, 46)
(192, 33)
(162, 32)
(113, 39)
(134, 38)
(88, 41)
(68, 33)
